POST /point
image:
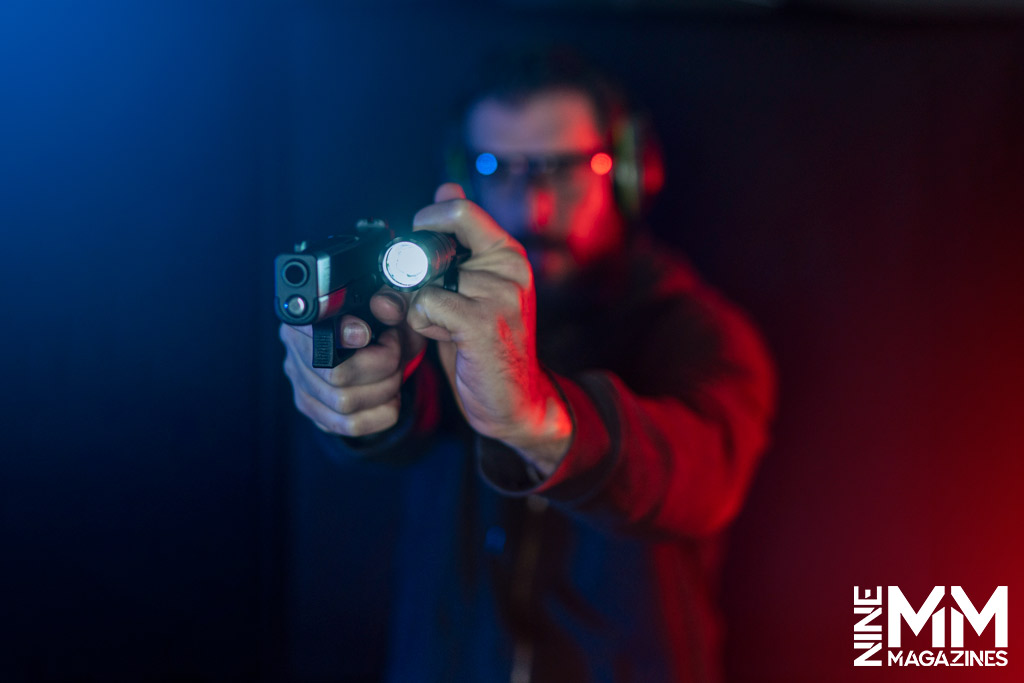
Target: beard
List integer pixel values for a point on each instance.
(563, 286)
(554, 271)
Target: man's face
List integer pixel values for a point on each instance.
(544, 189)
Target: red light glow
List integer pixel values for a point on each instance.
(600, 163)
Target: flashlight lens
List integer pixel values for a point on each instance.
(405, 264)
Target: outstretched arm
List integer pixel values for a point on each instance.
(674, 461)
(677, 458)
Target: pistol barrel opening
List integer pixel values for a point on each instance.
(295, 273)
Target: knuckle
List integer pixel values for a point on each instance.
(520, 271)
(358, 425)
(337, 424)
(338, 376)
(423, 298)
(414, 318)
(341, 426)
(389, 414)
(460, 208)
(343, 402)
(450, 304)
(419, 313)
(372, 421)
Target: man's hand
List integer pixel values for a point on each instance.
(486, 334)
(361, 395)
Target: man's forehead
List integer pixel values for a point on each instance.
(549, 122)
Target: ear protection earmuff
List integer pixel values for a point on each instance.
(638, 169)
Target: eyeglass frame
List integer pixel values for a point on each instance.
(530, 167)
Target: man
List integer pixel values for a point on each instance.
(585, 425)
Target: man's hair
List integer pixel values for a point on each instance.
(513, 78)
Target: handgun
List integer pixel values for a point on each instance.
(321, 281)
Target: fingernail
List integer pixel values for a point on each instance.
(396, 300)
(354, 334)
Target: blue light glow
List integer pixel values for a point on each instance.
(486, 164)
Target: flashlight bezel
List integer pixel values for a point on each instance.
(389, 275)
(441, 250)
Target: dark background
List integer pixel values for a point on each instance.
(853, 177)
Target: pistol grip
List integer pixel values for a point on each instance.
(326, 352)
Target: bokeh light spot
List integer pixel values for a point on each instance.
(600, 163)
(486, 163)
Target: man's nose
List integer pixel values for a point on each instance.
(539, 206)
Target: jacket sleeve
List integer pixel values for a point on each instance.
(671, 449)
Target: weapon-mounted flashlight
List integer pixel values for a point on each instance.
(411, 261)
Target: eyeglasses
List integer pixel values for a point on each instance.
(560, 170)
